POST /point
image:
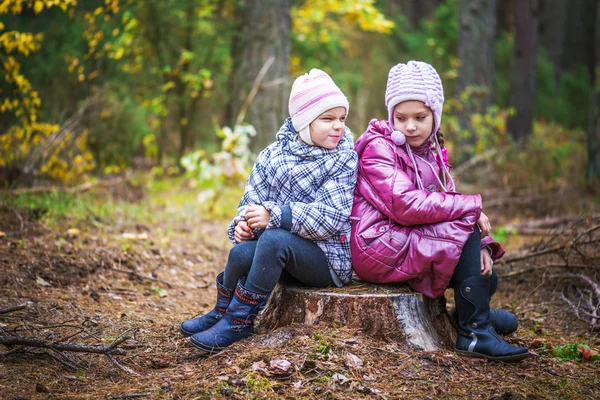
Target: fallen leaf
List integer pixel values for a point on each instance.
(353, 361)
(280, 366)
(40, 281)
(339, 378)
(73, 232)
(2, 235)
(259, 366)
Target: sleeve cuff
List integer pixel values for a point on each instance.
(275, 211)
(286, 218)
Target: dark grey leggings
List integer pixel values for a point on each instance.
(469, 263)
(276, 250)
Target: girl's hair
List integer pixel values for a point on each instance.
(440, 138)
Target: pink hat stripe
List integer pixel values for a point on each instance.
(312, 94)
(313, 101)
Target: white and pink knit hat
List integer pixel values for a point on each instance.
(313, 94)
(415, 80)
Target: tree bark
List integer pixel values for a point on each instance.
(580, 29)
(522, 96)
(389, 311)
(413, 10)
(476, 46)
(593, 169)
(552, 19)
(264, 32)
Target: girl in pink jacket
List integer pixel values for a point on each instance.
(409, 223)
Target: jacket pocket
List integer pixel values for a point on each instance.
(378, 242)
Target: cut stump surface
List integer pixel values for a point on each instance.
(390, 311)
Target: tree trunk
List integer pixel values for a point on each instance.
(552, 20)
(413, 10)
(477, 30)
(580, 29)
(264, 32)
(522, 96)
(389, 311)
(476, 47)
(593, 169)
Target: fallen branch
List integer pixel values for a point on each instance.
(544, 252)
(473, 161)
(584, 303)
(75, 347)
(127, 396)
(545, 266)
(15, 308)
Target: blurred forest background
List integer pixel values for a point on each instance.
(95, 88)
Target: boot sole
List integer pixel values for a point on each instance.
(511, 358)
(205, 348)
(184, 332)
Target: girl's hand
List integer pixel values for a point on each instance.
(257, 216)
(486, 262)
(484, 225)
(242, 232)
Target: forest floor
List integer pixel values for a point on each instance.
(147, 260)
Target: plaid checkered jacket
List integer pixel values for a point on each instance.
(316, 183)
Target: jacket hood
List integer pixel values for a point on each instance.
(375, 129)
(288, 138)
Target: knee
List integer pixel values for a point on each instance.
(241, 254)
(273, 238)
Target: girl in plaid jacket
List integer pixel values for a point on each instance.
(293, 217)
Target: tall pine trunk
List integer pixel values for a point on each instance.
(477, 30)
(522, 95)
(264, 32)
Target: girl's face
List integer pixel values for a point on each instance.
(415, 120)
(328, 129)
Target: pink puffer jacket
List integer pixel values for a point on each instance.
(401, 233)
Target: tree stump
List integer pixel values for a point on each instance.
(388, 311)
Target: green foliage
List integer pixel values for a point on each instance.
(435, 41)
(563, 99)
(224, 169)
(554, 155)
(572, 352)
(484, 131)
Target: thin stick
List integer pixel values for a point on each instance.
(15, 308)
(84, 348)
(254, 90)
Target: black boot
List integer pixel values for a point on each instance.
(504, 322)
(236, 324)
(476, 336)
(199, 324)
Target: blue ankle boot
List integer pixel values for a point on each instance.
(199, 324)
(476, 336)
(236, 324)
(504, 322)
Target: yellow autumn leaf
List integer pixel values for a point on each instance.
(38, 7)
(73, 232)
(2, 235)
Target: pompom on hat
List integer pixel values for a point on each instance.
(415, 80)
(312, 94)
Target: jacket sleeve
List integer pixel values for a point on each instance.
(330, 211)
(497, 250)
(385, 184)
(255, 191)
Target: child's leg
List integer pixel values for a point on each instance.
(276, 249)
(239, 262)
(280, 249)
(476, 334)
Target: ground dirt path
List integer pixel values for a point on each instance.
(142, 279)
